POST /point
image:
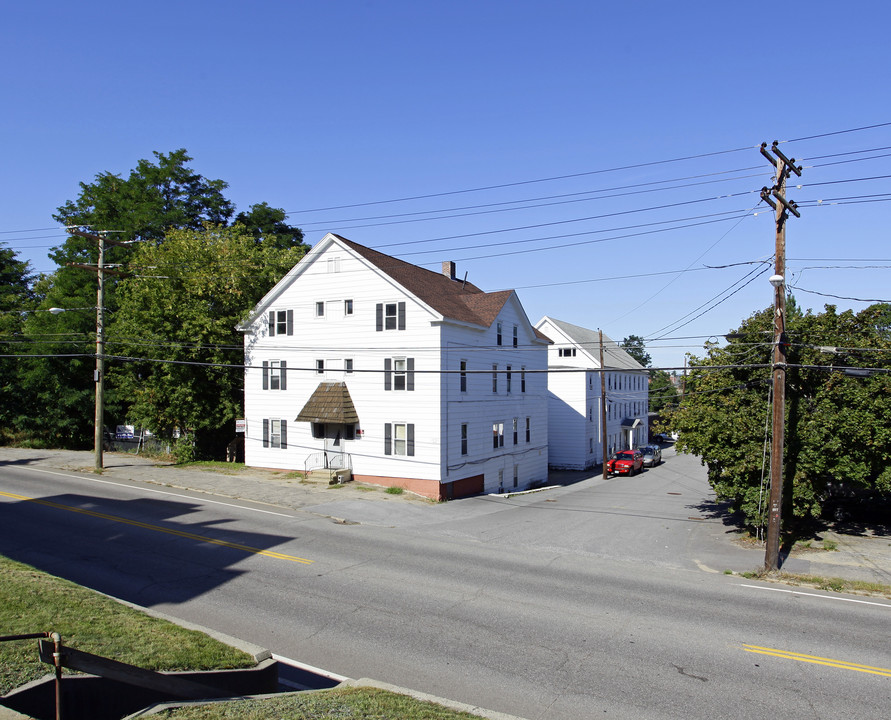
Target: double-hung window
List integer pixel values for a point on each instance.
(275, 433)
(497, 435)
(399, 373)
(507, 377)
(516, 336)
(523, 379)
(498, 327)
(280, 322)
(390, 316)
(494, 378)
(516, 430)
(399, 439)
(528, 429)
(463, 438)
(463, 376)
(275, 375)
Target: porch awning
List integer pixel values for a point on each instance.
(630, 423)
(330, 403)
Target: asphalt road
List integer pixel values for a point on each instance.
(600, 599)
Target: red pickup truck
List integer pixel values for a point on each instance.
(625, 462)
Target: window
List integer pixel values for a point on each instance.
(275, 375)
(516, 429)
(320, 309)
(464, 438)
(275, 433)
(528, 429)
(494, 378)
(334, 265)
(523, 379)
(566, 352)
(516, 475)
(507, 376)
(390, 316)
(463, 376)
(399, 373)
(498, 333)
(348, 365)
(280, 322)
(590, 445)
(516, 336)
(399, 439)
(320, 367)
(497, 435)
(347, 307)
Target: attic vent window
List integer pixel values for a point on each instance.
(566, 352)
(334, 265)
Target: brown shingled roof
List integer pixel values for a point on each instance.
(330, 403)
(453, 299)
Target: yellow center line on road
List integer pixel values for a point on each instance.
(829, 662)
(158, 528)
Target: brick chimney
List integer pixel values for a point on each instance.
(448, 269)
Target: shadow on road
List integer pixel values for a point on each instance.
(146, 551)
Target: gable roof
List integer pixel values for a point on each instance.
(589, 340)
(454, 299)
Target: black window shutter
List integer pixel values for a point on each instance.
(290, 322)
(410, 372)
(265, 374)
(284, 382)
(388, 374)
(388, 439)
(271, 323)
(410, 439)
(401, 321)
(284, 434)
(265, 432)
(379, 314)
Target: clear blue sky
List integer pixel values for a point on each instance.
(313, 105)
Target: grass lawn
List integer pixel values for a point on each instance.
(32, 601)
(340, 703)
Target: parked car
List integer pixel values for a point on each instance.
(625, 462)
(652, 455)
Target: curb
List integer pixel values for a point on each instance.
(362, 682)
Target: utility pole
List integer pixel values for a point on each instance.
(99, 372)
(602, 408)
(784, 166)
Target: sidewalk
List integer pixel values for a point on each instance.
(859, 556)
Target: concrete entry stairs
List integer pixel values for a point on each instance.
(331, 476)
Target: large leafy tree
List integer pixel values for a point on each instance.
(17, 298)
(176, 317)
(662, 392)
(158, 196)
(838, 409)
(635, 347)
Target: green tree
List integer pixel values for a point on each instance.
(267, 225)
(634, 346)
(838, 410)
(663, 393)
(178, 321)
(17, 299)
(157, 196)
